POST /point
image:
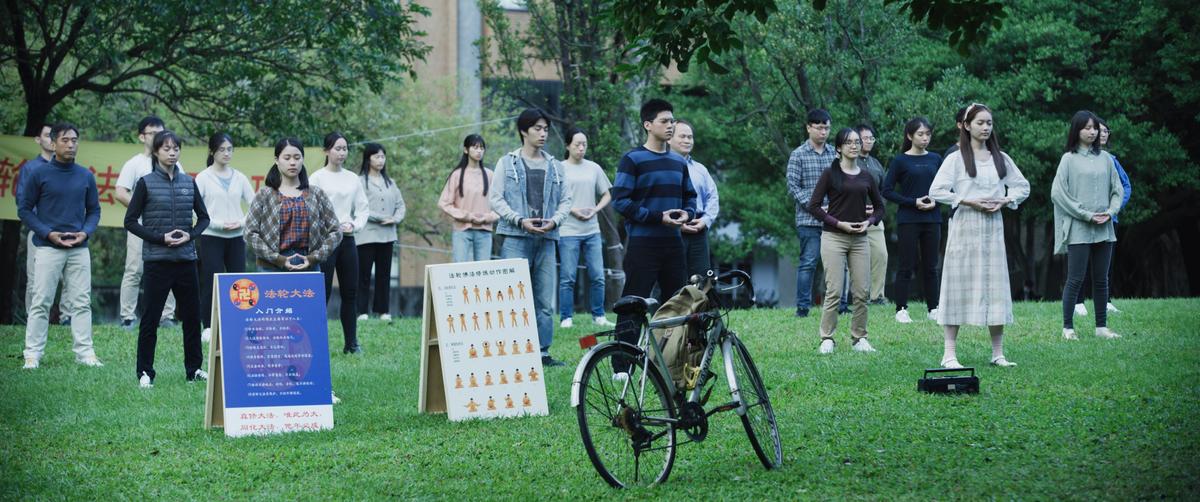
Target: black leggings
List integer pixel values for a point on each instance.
(378, 254)
(927, 236)
(159, 279)
(1079, 257)
(344, 262)
(217, 255)
(647, 264)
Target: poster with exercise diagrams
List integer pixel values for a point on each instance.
(480, 356)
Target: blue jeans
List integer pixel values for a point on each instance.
(568, 254)
(543, 270)
(472, 245)
(810, 250)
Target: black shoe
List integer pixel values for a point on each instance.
(129, 324)
(356, 349)
(64, 321)
(166, 323)
(879, 301)
(801, 312)
(550, 361)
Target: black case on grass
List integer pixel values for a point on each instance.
(951, 384)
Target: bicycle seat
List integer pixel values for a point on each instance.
(634, 305)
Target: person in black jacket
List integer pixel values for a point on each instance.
(160, 213)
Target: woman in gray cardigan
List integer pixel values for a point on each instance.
(1086, 194)
(377, 240)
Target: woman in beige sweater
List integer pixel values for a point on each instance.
(464, 199)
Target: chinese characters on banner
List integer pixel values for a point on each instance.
(480, 315)
(271, 349)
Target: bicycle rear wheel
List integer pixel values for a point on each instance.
(627, 426)
(758, 417)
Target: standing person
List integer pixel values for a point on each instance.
(131, 282)
(804, 167)
(349, 200)
(160, 214)
(655, 195)
(978, 180)
(1086, 194)
(222, 248)
(292, 226)
(377, 241)
(844, 242)
(532, 204)
(920, 223)
(61, 206)
(46, 145)
(579, 237)
(875, 233)
(465, 199)
(958, 128)
(708, 202)
(1080, 309)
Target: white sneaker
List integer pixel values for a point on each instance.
(902, 316)
(602, 321)
(1069, 334)
(144, 382)
(1112, 308)
(951, 364)
(1106, 333)
(206, 335)
(362, 317)
(335, 398)
(200, 375)
(1080, 309)
(863, 346)
(385, 317)
(620, 377)
(92, 361)
(566, 323)
(1002, 362)
(933, 315)
(31, 363)
(826, 346)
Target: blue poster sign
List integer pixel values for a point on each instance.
(274, 343)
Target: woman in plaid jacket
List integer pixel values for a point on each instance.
(291, 226)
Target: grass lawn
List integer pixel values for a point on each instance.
(1092, 419)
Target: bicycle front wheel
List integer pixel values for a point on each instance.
(758, 417)
(626, 418)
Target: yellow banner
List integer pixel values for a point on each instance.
(106, 159)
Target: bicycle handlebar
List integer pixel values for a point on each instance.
(738, 274)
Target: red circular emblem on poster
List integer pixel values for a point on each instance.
(244, 294)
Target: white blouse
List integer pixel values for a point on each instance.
(345, 192)
(952, 184)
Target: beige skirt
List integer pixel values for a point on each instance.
(975, 287)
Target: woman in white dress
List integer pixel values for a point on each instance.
(977, 181)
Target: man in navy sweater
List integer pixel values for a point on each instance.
(655, 195)
(61, 205)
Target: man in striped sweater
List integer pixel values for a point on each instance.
(655, 195)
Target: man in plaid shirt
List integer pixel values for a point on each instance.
(804, 168)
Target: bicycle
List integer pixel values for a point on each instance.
(628, 406)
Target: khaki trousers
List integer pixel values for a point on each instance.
(838, 250)
(879, 259)
(131, 281)
(74, 268)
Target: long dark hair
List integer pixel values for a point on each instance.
(161, 138)
(836, 176)
(274, 177)
(214, 142)
(468, 142)
(1078, 122)
(993, 145)
(910, 128)
(330, 140)
(364, 170)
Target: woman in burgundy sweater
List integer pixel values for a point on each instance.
(849, 190)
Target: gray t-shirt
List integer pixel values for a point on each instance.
(587, 182)
(535, 184)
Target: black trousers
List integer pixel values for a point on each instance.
(217, 255)
(1081, 257)
(922, 240)
(645, 265)
(344, 262)
(1086, 284)
(379, 255)
(160, 278)
(695, 249)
